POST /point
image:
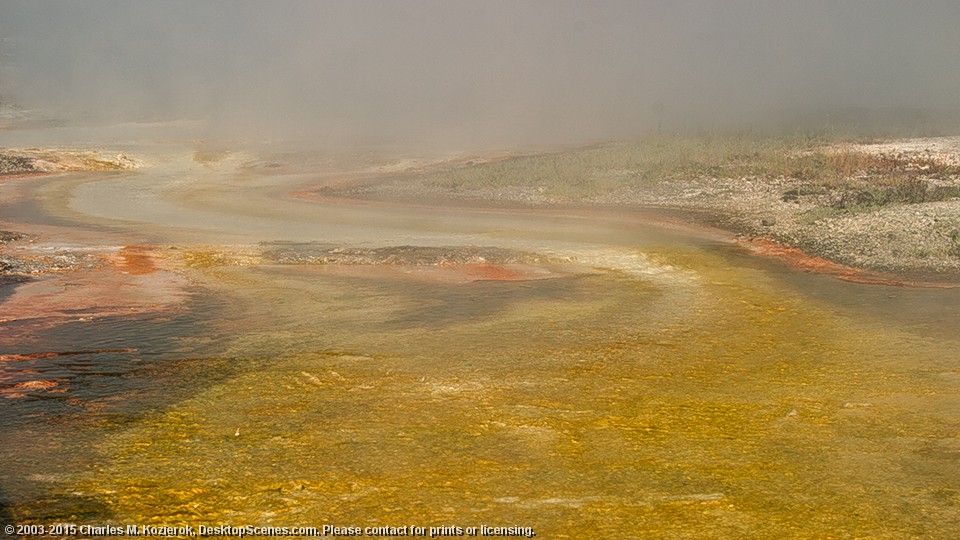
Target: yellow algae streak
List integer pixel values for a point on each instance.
(601, 406)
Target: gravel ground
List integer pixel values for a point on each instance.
(16, 164)
(311, 253)
(18, 266)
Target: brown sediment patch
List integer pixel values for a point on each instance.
(36, 356)
(136, 260)
(799, 260)
(494, 272)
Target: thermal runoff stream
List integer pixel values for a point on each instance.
(237, 353)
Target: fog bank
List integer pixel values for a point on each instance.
(476, 72)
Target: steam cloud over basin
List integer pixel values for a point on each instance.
(260, 267)
(491, 73)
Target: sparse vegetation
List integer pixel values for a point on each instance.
(899, 191)
(954, 249)
(866, 182)
(859, 180)
(817, 214)
(34, 160)
(597, 169)
(13, 164)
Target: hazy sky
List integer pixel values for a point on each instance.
(511, 71)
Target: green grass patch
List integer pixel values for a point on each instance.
(824, 212)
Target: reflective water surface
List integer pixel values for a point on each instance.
(660, 383)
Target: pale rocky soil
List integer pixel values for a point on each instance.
(919, 239)
(942, 149)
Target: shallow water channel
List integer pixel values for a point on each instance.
(639, 382)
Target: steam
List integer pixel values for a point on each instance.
(476, 72)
